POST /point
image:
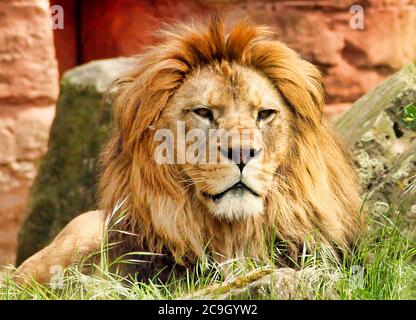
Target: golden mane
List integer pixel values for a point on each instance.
(315, 193)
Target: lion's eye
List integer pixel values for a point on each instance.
(204, 113)
(265, 114)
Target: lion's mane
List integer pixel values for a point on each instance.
(315, 194)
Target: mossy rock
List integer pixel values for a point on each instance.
(66, 182)
(269, 283)
(383, 146)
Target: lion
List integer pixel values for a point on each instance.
(297, 188)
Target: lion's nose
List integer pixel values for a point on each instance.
(240, 156)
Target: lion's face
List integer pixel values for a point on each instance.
(250, 122)
(285, 175)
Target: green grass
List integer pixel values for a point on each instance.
(382, 267)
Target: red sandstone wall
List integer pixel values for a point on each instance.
(28, 91)
(353, 61)
(66, 40)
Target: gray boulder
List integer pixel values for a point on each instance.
(383, 145)
(66, 182)
(270, 283)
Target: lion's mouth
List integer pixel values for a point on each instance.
(238, 188)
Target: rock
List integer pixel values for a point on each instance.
(26, 43)
(378, 46)
(13, 203)
(353, 61)
(66, 182)
(334, 111)
(113, 27)
(24, 133)
(65, 39)
(8, 143)
(28, 92)
(383, 145)
(279, 284)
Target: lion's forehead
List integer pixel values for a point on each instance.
(240, 90)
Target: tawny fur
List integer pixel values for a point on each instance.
(315, 192)
(81, 238)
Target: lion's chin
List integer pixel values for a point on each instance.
(236, 205)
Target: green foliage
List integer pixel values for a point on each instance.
(409, 115)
